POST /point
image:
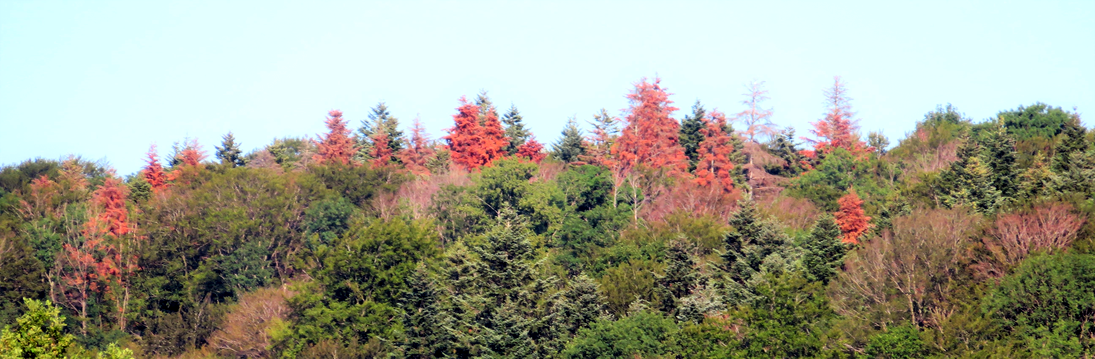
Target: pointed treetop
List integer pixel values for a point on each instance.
(651, 137)
(336, 146)
(229, 151)
(571, 145)
(850, 217)
(515, 130)
(839, 128)
(756, 118)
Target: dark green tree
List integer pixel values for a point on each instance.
(898, 342)
(680, 276)
(581, 305)
(640, 335)
(690, 136)
(1000, 156)
(427, 324)
(380, 119)
(789, 319)
(1073, 141)
(754, 248)
(229, 151)
(823, 251)
(571, 146)
(968, 181)
(515, 130)
(1037, 120)
(21, 276)
(783, 146)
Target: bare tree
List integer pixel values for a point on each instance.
(1049, 227)
(757, 120)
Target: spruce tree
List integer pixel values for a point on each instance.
(380, 119)
(1073, 141)
(783, 146)
(690, 136)
(427, 325)
(486, 107)
(571, 146)
(969, 181)
(581, 305)
(753, 248)
(229, 151)
(1000, 155)
(515, 130)
(823, 250)
(680, 276)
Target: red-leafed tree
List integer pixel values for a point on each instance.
(600, 141)
(714, 166)
(850, 217)
(336, 146)
(650, 137)
(153, 172)
(475, 142)
(190, 163)
(839, 128)
(531, 150)
(381, 153)
(418, 152)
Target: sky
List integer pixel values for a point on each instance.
(107, 79)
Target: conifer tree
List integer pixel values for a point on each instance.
(428, 326)
(473, 143)
(968, 181)
(851, 218)
(571, 146)
(1000, 155)
(715, 154)
(531, 150)
(651, 136)
(824, 250)
(601, 140)
(229, 151)
(153, 172)
(418, 153)
(680, 276)
(515, 130)
(486, 107)
(336, 146)
(839, 127)
(783, 146)
(690, 136)
(380, 120)
(1073, 141)
(756, 118)
(753, 248)
(581, 305)
(382, 153)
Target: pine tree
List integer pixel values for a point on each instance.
(417, 155)
(968, 181)
(473, 143)
(382, 153)
(486, 107)
(336, 146)
(650, 138)
(1073, 141)
(753, 248)
(680, 276)
(783, 146)
(428, 326)
(153, 172)
(757, 120)
(515, 130)
(229, 151)
(824, 250)
(690, 136)
(571, 146)
(581, 305)
(851, 218)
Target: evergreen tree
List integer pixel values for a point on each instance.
(651, 137)
(680, 276)
(515, 130)
(229, 151)
(581, 305)
(783, 146)
(427, 325)
(823, 250)
(380, 120)
(571, 146)
(753, 248)
(1073, 141)
(605, 132)
(690, 136)
(336, 146)
(486, 107)
(968, 181)
(999, 155)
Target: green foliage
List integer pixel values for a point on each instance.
(428, 325)
(823, 251)
(899, 342)
(690, 136)
(1048, 299)
(359, 184)
(754, 248)
(37, 334)
(629, 282)
(380, 120)
(642, 334)
(837, 172)
(20, 277)
(969, 181)
(591, 220)
(328, 219)
(783, 146)
(790, 318)
(572, 145)
(680, 276)
(1037, 120)
(471, 210)
(229, 152)
(515, 130)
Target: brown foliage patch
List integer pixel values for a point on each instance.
(245, 329)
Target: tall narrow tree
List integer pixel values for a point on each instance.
(714, 165)
(153, 172)
(756, 118)
(418, 152)
(851, 218)
(601, 140)
(380, 120)
(839, 127)
(229, 151)
(472, 145)
(515, 130)
(336, 146)
(690, 137)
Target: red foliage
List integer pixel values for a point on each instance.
(851, 218)
(532, 150)
(153, 172)
(336, 146)
(1046, 228)
(475, 143)
(191, 157)
(111, 197)
(418, 151)
(714, 165)
(650, 138)
(839, 127)
(382, 153)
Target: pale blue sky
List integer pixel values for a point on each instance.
(108, 78)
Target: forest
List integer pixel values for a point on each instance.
(648, 232)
